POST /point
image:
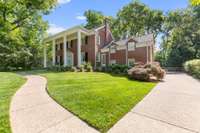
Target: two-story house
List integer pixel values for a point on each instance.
(77, 45)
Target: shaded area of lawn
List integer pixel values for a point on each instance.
(9, 83)
(98, 98)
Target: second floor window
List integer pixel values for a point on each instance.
(99, 40)
(131, 46)
(112, 50)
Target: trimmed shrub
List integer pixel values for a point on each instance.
(193, 67)
(73, 69)
(58, 68)
(88, 67)
(82, 69)
(117, 69)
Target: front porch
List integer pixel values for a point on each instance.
(66, 47)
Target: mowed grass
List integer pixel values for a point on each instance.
(9, 83)
(100, 99)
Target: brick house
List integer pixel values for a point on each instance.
(77, 45)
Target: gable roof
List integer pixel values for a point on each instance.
(139, 40)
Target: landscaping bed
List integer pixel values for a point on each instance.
(100, 99)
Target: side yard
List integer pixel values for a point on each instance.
(9, 83)
(100, 99)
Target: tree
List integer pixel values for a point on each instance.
(195, 2)
(181, 40)
(21, 31)
(136, 19)
(94, 19)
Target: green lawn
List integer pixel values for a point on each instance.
(99, 99)
(9, 83)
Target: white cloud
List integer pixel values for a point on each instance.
(63, 1)
(81, 17)
(53, 29)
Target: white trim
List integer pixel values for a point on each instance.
(99, 28)
(121, 47)
(68, 32)
(105, 50)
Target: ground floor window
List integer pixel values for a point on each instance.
(84, 57)
(112, 62)
(98, 57)
(131, 62)
(103, 59)
(59, 60)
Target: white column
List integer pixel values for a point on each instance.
(65, 50)
(54, 52)
(79, 49)
(45, 56)
(147, 54)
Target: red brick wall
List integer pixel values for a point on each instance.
(90, 49)
(119, 56)
(139, 54)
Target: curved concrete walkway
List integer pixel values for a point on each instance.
(173, 106)
(33, 111)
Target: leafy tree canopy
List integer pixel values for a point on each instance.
(94, 19)
(195, 2)
(21, 31)
(181, 40)
(136, 19)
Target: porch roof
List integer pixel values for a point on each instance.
(68, 32)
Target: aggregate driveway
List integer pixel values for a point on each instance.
(173, 106)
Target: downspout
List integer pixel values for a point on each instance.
(109, 56)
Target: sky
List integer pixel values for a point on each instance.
(69, 13)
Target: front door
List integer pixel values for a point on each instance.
(70, 58)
